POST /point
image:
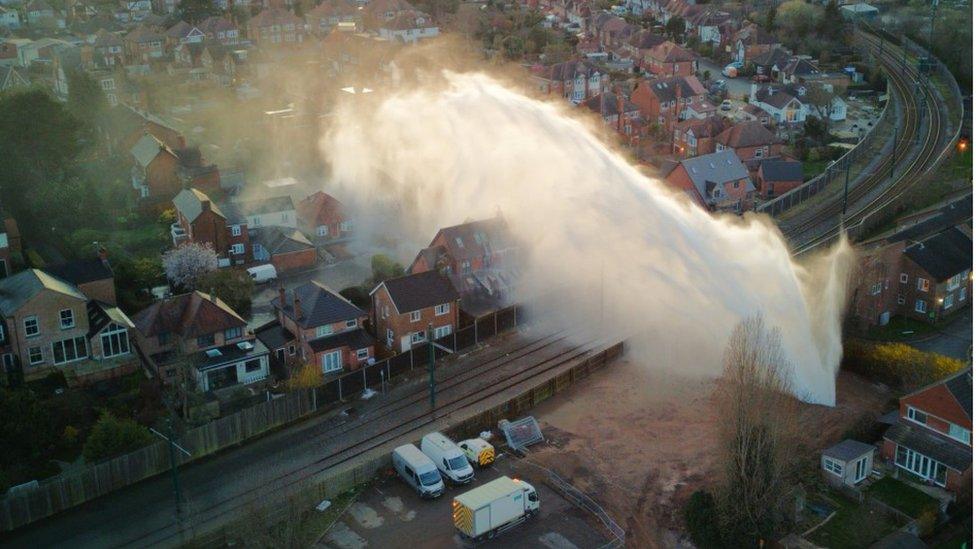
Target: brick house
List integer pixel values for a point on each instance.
(933, 438)
(286, 249)
(273, 211)
(144, 44)
(275, 26)
(663, 100)
(695, 137)
(752, 41)
(776, 177)
(200, 220)
(403, 309)
(155, 173)
(10, 251)
(780, 104)
(720, 180)
(576, 81)
(925, 279)
(323, 218)
(221, 30)
(328, 330)
(49, 325)
(326, 16)
(670, 59)
(92, 276)
(201, 337)
(751, 141)
(481, 260)
(616, 110)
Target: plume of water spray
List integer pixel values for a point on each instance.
(672, 278)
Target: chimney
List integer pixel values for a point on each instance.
(298, 308)
(205, 205)
(103, 256)
(281, 295)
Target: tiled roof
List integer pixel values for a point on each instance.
(282, 241)
(260, 206)
(319, 306)
(189, 202)
(320, 208)
(354, 339)
(923, 441)
(17, 289)
(848, 450)
(747, 134)
(81, 271)
(669, 52)
(715, 169)
(419, 291)
(189, 315)
(943, 255)
(781, 170)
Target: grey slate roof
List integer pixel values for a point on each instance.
(354, 339)
(848, 450)
(717, 168)
(265, 205)
(274, 335)
(961, 387)
(319, 306)
(943, 255)
(282, 241)
(101, 315)
(419, 291)
(82, 270)
(16, 290)
(930, 444)
(189, 202)
(146, 149)
(782, 170)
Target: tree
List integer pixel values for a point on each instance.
(29, 434)
(86, 100)
(384, 268)
(233, 286)
(816, 130)
(675, 28)
(770, 22)
(357, 295)
(112, 436)
(832, 24)
(796, 19)
(186, 264)
(759, 418)
(822, 100)
(308, 377)
(195, 11)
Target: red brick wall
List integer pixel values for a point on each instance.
(937, 401)
(211, 228)
(385, 316)
(294, 260)
(162, 177)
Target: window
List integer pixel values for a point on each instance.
(466, 267)
(322, 230)
(389, 338)
(69, 350)
(205, 340)
(917, 415)
(901, 299)
(759, 153)
(67, 319)
(237, 249)
(3, 335)
(948, 301)
(291, 350)
(903, 278)
(31, 328)
(235, 230)
(833, 466)
(115, 341)
(961, 434)
(921, 465)
(322, 331)
(962, 294)
(417, 337)
(922, 284)
(442, 309)
(954, 281)
(459, 242)
(362, 354)
(876, 289)
(345, 226)
(35, 356)
(920, 306)
(233, 333)
(415, 316)
(252, 365)
(284, 217)
(442, 331)
(351, 324)
(332, 362)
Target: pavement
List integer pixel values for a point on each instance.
(389, 512)
(953, 340)
(737, 86)
(268, 469)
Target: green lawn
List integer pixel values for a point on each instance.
(901, 328)
(901, 496)
(853, 526)
(813, 168)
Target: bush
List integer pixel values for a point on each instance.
(384, 268)
(357, 295)
(897, 364)
(701, 520)
(112, 436)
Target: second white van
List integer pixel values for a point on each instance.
(447, 457)
(263, 273)
(417, 470)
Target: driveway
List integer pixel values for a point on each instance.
(954, 340)
(389, 512)
(737, 86)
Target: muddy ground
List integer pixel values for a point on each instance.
(640, 442)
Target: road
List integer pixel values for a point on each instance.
(737, 87)
(269, 469)
(954, 340)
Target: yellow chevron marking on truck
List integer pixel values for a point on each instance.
(486, 457)
(463, 518)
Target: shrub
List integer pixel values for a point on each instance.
(112, 436)
(309, 376)
(357, 295)
(701, 520)
(897, 364)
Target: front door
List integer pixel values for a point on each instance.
(405, 343)
(331, 362)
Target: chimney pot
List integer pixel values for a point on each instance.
(298, 308)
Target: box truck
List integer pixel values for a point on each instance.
(492, 508)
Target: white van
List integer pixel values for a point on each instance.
(263, 273)
(447, 457)
(418, 471)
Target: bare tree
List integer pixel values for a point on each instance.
(821, 98)
(758, 423)
(186, 264)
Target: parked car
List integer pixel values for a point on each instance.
(417, 470)
(263, 273)
(761, 78)
(447, 457)
(726, 105)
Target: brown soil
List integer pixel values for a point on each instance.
(640, 442)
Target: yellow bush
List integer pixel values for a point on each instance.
(897, 364)
(309, 376)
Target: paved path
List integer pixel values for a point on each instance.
(955, 339)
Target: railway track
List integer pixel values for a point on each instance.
(922, 119)
(545, 354)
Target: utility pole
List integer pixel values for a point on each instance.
(430, 361)
(847, 181)
(170, 438)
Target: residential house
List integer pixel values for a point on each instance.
(710, 25)
(663, 100)
(753, 112)
(577, 81)
(49, 325)
(273, 211)
(720, 179)
(771, 63)
(695, 137)
(200, 338)
(12, 78)
(670, 59)
(796, 70)
(782, 106)
(10, 250)
(108, 50)
(481, 260)
(200, 220)
(276, 26)
(640, 45)
(776, 177)
(616, 110)
(135, 124)
(286, 249)
(751, 141)
(160, 172)
(326, 16)
(847, 463)
(144, 44)
(221, 29)
(328, 329)
(323, 218)
(136, 10)
(409, 27)
(93, 276)
(377, 12)
(183, 33)
(404, 308)
(924, 277)
(41, 14)
(933, 438)
(9, 18)
(752, 41)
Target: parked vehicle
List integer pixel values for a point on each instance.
(761, 78)
(726, 105)
(263, 273)
(417, 470)
(478, 451)
(447, 457)
(492, 508)
(730, 71)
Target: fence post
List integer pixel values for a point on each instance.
(475, 331)
(364, 377)
(495, 317)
